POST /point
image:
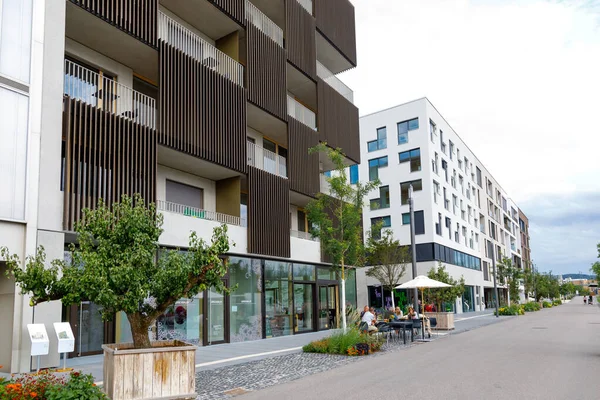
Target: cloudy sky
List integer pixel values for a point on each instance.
(520, 83)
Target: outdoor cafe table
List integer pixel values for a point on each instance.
(404, 325)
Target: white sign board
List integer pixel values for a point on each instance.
(40, 344)
(66, 339)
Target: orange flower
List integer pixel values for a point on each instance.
(33, 394)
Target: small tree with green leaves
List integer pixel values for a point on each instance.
(336, 218)
(388, 260)
(119, 265)
(596, 266)
(509, 273)
(439, 296)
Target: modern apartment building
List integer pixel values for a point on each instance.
(462, 214)
(205, 107)
(525, 246)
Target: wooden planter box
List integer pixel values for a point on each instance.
(165, 371)
(445, 321)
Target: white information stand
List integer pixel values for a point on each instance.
(40, 344)
(66, 340)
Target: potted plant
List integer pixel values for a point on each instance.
(445, 320)
(119, 265)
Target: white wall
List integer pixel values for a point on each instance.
(208, 186)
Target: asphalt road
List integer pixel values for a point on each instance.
(549, 354)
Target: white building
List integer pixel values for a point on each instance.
(460, 209)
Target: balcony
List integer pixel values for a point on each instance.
(264, 24)
(302, 235)
(180, 220)
(301, 113)
(107, 94)
(303, 247)
(325, 186)
(266, 160)
(333, 81)
(178, 36)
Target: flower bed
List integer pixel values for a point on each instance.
(351, 343)
(50, 386)
(532, 306)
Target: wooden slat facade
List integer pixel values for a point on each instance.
(266, 71)
(135, 17)
(201, 112)
(335, 21)
(303, 171)
(300, 38)
(337, 119)
(106, 156)
(268, 214)
(236, 9)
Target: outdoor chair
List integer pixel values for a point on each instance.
(363, 327)
(385, 330)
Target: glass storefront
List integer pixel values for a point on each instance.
(279, 309)
(303, 307)
(468, 302)
(245, 301)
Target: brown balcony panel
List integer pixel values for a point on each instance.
(338, 121)
(201, 113)
(136, 17)
(335, 20)
(300, 38)
(266, 73)
(236, 9)
(303, 167)
(268, 214)
(106, 156)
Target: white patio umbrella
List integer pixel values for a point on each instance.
(422, 282)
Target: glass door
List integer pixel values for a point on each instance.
(334, 311)
(90, 331)
(323, 308)
(303, 307)
(217, 321)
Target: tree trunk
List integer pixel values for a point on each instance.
(139, 330)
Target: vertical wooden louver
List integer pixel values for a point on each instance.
(338, 121)
(335, 20)
(136, 17)
(201, 112)
(300, 38)
(106, 156)
(268, 214)
(266, 73)
(303, 167)
(236, 9)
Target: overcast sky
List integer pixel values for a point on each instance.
(519, 82)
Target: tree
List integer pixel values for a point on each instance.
(529, 276)
(336, 219)
(388, 259)
(596, 266)
(547, 286)
(440, 296)
(509, 273)
(119, 265)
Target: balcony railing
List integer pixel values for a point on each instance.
(303, 235)
(199, 49)
(307, 5)
(266, 160)
(107, 94)
(333, 81)
(263, 23)
(301, 113)
(199, 213)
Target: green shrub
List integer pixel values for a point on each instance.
(547, 304)
(531, 306)
(557, 302)
(514, 309)
(78, 386)
(344, 343)
(339, 342)
(49, 386)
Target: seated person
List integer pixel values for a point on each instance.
(398, 314)
(365, 309)
(370, 319)
(414, 316)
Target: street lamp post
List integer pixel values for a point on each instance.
(413, 246)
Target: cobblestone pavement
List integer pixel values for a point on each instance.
(228, 382)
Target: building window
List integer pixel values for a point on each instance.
(436, 191)
(15, 40)
(381, 142)
(384, 199)
(478, 172)
(442, 144)
(374, 166)
(446, 200)
(186, 195)
(406, 219)
(413, 156)
(432, 131)
(379, 223)
(445, 168)
(454, 204)
(354, 174)
(404, 127)
(451, 149)
(435, 163)
(438, 225)
(419, 222)
(449, 226)
(327, 174)
(417, 185)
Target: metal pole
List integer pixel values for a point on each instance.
(495, 282)
(413, 246)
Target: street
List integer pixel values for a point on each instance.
(549, 354)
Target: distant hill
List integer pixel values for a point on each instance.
(578, 276)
